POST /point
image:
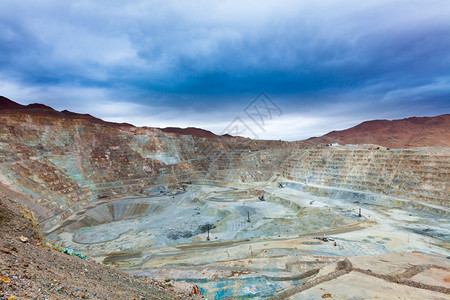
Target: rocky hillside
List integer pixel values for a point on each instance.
(59, 162)
(192, 131)
(405, 133)
(8, 107)
(30, 271)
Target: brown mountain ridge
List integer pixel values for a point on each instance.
(10, 107)
(404, 133)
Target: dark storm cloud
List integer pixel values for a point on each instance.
(336, 58)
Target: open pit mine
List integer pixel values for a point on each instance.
(236, 217)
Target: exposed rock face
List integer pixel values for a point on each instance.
(30, 271)
(117, 192)
(415, 174)
(62, 162)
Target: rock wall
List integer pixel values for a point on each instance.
(64, 163)
(413, 174)
(61, 165)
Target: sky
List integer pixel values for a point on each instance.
(280, 69)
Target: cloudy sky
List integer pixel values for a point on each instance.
(322, 65)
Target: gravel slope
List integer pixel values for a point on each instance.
(30, 271)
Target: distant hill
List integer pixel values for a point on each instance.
(6, 104)
(193, 131)
(10, 107)
(404, 133)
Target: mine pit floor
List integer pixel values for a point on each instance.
(256, 248)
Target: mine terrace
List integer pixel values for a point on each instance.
(233, 216)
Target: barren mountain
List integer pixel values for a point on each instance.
(12, 108)
(190, 131)
(404, 133)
